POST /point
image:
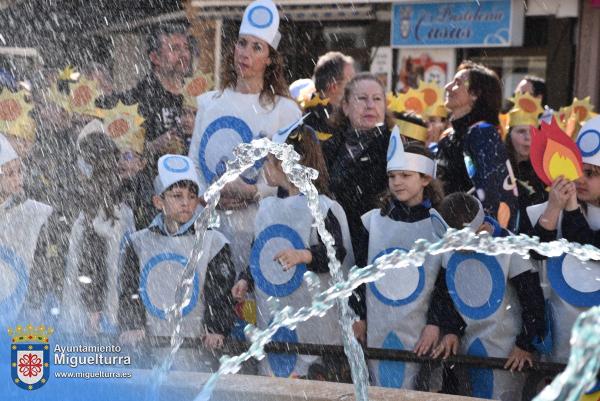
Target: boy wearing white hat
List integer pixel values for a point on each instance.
(156, 258)
(21, 222)
(499, 302)
(402, 295)
(572, 212)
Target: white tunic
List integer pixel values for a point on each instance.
(397, 303)
(224, 120)
(572, 286)
(74, 317)
(477, 284)
(283, 224)
(20, 226)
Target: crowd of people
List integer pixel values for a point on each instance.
(100, 191)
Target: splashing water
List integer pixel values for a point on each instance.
(583, 363)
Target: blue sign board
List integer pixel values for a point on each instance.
(491, 23)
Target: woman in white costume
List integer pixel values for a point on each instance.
(286, 246)
(393, 310)
(572, 212)
(253, 101)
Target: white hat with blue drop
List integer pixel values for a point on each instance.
(7, 152)
(588, 141)
(261, 19)
(398, 159)
(173, 169)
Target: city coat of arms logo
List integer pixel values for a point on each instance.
(30, 356)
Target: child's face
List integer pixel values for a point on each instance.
(435, 127)
(273, 173)
(407, 186)
(588, 186)
(11, 179)
(177, 204)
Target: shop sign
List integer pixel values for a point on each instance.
(482, 23)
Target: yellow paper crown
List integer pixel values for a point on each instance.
(82, 97)
(68, 74)
(194, 86)
(583, 109)
(123, 124)
(30, 333)
(412, 100)
(521, 117)
(314, 101)
(527, 104)
(433, 97)
(14, 115)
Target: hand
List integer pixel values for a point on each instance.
(572, 203)
(132, 337)
(239, 190)
(448, 346)
(292, 257)
(239, 290)
(169, 142)
(430, 335)
(560, 192)
(517, 359)
(213, 341)
(360, 331)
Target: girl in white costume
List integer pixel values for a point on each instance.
(90, 291)
(393, 309)
(286, 245)
(498, 299)
(253, 101)
(21, 222)
(572, 212)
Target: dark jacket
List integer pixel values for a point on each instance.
(532, 191)
(357, 165)
(478, 145)
(219, 314)
(319, 119)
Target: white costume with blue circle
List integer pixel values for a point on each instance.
(162, 261)
(571, 285)
(397, 303)
(224, 120)
(20, 226)
(73, 313)
(283, 224)
(478, 286)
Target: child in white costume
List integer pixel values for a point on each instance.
(253, 101)
(572, 212)
(498, 298)
(90, 290)
(286, 245)
(155, 260)
(393, 310)
(21, 222)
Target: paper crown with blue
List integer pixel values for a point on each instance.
(261, 19)
(588, 141)
(173, 169)
(7, 152)
(282, 135)
(398, 159)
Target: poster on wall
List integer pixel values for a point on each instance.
(429, 65)
(381, 65)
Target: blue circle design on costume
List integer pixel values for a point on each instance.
(276, 290)
(262, 10)
(498, 285)
(564, 290)
(11, 305)
(282, 365)
(151, 264)
(439, 226)
(594, 389)
(402, 301)
(391, 373)
(587, 153)
(482, 380)
(225, 122)
(176, 164)
(392, 148)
